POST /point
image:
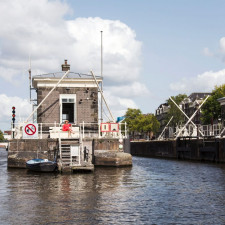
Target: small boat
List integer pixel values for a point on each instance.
(41, 165)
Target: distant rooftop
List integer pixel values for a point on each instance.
(198, 95)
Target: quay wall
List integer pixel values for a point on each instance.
(212, 149)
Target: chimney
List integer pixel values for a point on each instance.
(65, 66)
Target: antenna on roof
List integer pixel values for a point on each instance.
(30, 75)
(101, 77)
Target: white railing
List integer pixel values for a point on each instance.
(211, 130)
(86, 130)
(95, 132)
(215, 130)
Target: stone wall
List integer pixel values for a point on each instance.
(22, 150)
(106, 144)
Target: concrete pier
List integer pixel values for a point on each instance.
(92, 152)
(112, 152)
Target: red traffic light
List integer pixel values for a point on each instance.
(13, 115)
(13, 108)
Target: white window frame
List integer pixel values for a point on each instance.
(73, 96)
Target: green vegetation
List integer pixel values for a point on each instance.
(138, 122)
(211, 110)
(1, 136)
(178, 116)
(148, 123)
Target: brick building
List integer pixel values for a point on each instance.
(74, 99)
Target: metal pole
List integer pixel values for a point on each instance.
(46, 96)
(41, 130)
(99, 127)
(191, 117)
(102, 96)
(13, 126)
(102, 78)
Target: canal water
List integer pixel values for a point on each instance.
(153, 191)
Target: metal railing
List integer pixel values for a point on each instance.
(215, 130)
(86, 130)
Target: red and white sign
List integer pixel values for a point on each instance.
(30, 130)
(109, 127)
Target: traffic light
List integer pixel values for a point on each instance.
(13, 113)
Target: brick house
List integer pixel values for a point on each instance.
(75, 99)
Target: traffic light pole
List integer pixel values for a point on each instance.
(13, 123)
(13, 133)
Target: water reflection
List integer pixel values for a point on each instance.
(153, 191)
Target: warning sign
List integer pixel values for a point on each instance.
(109, 127)
(105, 127)
(30, 130)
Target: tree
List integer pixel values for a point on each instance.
(211, 110)
(1, 136)
(178, 116)
(132, 119)
(148, 123)
(137, 122)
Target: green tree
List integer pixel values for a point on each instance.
(178, 116)
(148, 123)
(211, 110)
(132, 117)
(137, 122)
(1, 136)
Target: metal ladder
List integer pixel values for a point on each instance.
(66, 157)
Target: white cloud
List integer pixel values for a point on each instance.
(39, 29)
(207, 52)
(118, 105)
(220, 53)
(130, 90)
(222, 44)
(121, 52)
(203, 82)
(23, 109)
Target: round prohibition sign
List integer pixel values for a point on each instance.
(30, 129)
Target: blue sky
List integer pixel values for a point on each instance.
(152, 49)
(174, 35)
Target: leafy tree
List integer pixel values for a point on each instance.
(211, 110)
(1, 136)
(148, 123)
(178, 116)
(132, 119)
(137, 122)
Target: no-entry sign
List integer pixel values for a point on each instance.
(30, 130)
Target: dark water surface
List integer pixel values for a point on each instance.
(153, 191)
